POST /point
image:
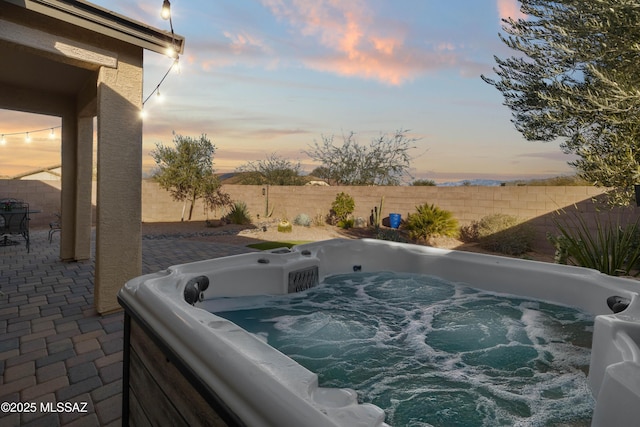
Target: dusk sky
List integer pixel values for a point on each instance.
(273, 76)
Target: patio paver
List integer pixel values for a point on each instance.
(54, 347)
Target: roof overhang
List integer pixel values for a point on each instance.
(97, 19)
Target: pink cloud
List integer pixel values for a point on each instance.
(510, 9)
(356, 46)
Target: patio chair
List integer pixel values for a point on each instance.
(15, 221)
(55, 226)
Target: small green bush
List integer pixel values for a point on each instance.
(346, 223)
(341, 209)
(302, 219)
(390, 234)
(430, 221)
(501, 233)
(239, 214)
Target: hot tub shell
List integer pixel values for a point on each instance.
(208, 371)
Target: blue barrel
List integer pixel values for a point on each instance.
(394, 220)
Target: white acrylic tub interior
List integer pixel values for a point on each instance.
(264, 387)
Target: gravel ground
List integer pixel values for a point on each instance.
(237, 234)
(240, 235)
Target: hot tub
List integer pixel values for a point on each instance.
(186, 366)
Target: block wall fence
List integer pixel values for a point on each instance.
(537, 205)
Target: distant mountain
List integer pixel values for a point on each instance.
(473, 182)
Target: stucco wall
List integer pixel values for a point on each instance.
(467, 203)
(535, 204)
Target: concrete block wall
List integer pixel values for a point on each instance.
(466, 203)
(537, 205)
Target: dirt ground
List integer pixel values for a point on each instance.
(246, 235)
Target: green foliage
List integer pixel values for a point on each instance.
(302, 219)
(273, 170)
(341, 209)
(384, 162)
(501, 233)
(430, 221)
(346, 223)
(285, 226)
(217, 199)
(574, 77)
(186, 171)
(390, 234)
(423, 183)
(239, 214)
(611, 248)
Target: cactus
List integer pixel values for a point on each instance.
(376, 215)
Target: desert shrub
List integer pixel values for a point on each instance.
(341, 209)
(469, 232)
(502, 233)
(319, 219)
(239, 214)
(390, 234)
(430, 221)
(346, 223)
(610, 247)
(302, 219)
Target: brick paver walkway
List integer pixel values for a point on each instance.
(54, 348)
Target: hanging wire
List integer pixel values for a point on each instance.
(157, 88)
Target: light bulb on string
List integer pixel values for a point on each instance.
(3, 141)
(159, 97)
(166, 10)
(27, 138)
(52, 134)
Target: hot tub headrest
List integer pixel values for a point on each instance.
(194, 288)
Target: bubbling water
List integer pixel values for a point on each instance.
(430, 352)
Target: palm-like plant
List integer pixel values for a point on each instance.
(430, 221)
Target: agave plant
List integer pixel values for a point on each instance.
(610, 247)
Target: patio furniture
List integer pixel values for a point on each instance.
(14, 220)
(55, 226)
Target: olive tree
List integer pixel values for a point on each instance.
(574, 77)
(186, 171)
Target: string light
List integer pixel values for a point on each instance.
(166, 10)
(175, 65)
(170, 52)
(27, 134)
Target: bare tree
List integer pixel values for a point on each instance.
(273, 170)
(385, 161)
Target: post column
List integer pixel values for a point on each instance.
(118, 210)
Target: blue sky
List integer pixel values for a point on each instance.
(273, 76)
